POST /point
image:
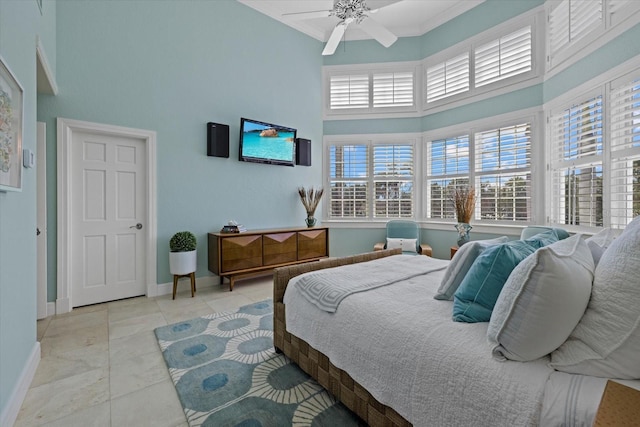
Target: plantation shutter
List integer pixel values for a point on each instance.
(393, 89)
(508, 56)
(503, 173)
(447, 78)
(625, 153)
(393, 174)
(571, 20)
(350, 91)
(576, 166)
(447, 168)
(348, 179)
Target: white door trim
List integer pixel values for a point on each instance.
(66, 127)
(41, 178)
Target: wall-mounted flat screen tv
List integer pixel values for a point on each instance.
(262, 142)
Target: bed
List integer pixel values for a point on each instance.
(393, 355)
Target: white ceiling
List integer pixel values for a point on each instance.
(404, 18)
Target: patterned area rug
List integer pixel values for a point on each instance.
(227, 373)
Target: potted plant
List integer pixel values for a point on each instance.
(464, 202)
(310, 199)
(182, 258)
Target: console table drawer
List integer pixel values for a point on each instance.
(279, 248)
(312, 244)
(241, 252)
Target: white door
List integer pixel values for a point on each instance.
(108, 194)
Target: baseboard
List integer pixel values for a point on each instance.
(10, 412)
(63, 305)
(51, 308)
(167, 288)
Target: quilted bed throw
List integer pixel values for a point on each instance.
(327, 288)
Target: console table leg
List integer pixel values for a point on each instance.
(232, 280)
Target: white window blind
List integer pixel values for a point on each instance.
(447, 78)
(348, 178)
(447, 168)
(393, 180)
(505, 57)
(503, 173)
(572, 20)
(625, 153)
(576, 154)
(351, 91)
(393, 89)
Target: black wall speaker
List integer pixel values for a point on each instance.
(217, 140)
(303, 152)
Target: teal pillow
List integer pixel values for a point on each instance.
(480, 288)
(543, 239)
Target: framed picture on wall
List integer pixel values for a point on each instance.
(11, 112)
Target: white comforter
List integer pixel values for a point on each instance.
(400, 343)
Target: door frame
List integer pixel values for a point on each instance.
(66, 128)
(41, 178)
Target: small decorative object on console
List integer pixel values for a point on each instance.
(233, 227)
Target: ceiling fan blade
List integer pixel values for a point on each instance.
(334, 39)
(376, 30)
(299, 16)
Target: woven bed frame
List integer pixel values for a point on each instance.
(316, 364)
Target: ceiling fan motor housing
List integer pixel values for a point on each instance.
(350, 10)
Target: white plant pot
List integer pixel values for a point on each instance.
(182, 263)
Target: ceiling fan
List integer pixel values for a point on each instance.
(351, 12)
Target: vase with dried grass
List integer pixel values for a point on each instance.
(310, 199)
(464, 202)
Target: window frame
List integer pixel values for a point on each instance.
(533, 18)
(371, 141)
(611, 26)
(370, 70)
(604, 86)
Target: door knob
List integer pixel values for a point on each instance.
(38, 231)
(137, 226)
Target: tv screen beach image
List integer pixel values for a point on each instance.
(267, 141)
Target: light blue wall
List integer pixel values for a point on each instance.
(20, 22)
(172, 67)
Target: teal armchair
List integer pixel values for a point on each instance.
(403, 230)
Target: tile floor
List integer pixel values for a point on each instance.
(101, 364)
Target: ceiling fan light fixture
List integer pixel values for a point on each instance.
(350, 10)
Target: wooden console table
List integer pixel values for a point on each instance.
(242, 255)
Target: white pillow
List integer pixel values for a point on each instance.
(407, 245)
(599, 242)
(606, 342)
(460, 264)
(542, 301)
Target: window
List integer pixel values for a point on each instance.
(393, 180)
(372, 90)
(503, 173)
(447, 78)
(393, 90)
(498, 164)
(349, 91)
(503, 58)
(447, 168)
(572, 20)
(576, 164)
(625, 152)
(348, 178)
(371, 176)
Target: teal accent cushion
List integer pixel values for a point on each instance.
(543, 239)
(479, 290)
